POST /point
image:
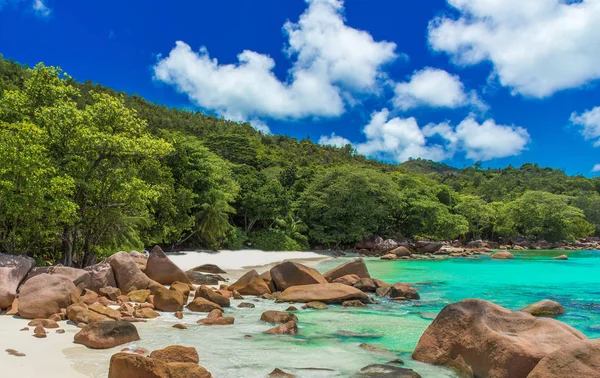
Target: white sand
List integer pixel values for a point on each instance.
(53, 356)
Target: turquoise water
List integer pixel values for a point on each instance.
(395, 327)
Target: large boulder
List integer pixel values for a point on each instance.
(198, 278)
(140, 259)
(478, 338)
(162, 270)
(326, 293)
(578, 359)
(45, 294)
(273, 316)
(104, 335)
(348, 279)
(356, 266)
(425, 246)
(288, 274)
(131, 365)
(80, 277)
(503, 255)
(13, 269)
(266, 276)
(200, 304)
(209, 268)
(401, 290)
(128, 276)
(101, 275)
(208, 293)
(250, 284)
(401, 251)
(176, 353)
(289, 328)
(168, 300)
(545, 307)
(386, 245)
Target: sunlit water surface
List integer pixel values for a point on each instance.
(393, 326)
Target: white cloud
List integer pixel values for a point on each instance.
(590, 124)
(596, 168)
(333, 140)
(399, 139)
(41, 9)
(436, 88)
(261, 126)
(537, 47)
(330, 60)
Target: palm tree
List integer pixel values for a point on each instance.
(214, 218)
(292, 227)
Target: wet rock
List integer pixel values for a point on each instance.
(356, 266)
(401, 251)
(176, 353)
(288, 274)
(179, 314)
(374, 349)
(162, 270)
(209, 268)
(60, 331)
(479, 338)
(24, 329)
(145, 313)
(202, 305)
(168, 300)
(358, 335)
(289, 328)
(246, 305)
(353, 303)
(198, 278)
(46, 323)
(222, 320)
(348, 279)
(403, 291)
(104, 335)
(326, 293)
(366, 284)
(278, 373)
(39, 332)
(277, 317)
(578, 359)
(211, 295)
(180, 326)
(389, 256)
(291, 308)
(503, 255)
(15, 353)
(45, 294)
(561, 257)
(545, 307)
(424, 246)
(250, 284)
(315, 305)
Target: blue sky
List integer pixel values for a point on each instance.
(505, 82)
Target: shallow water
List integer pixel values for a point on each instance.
(391, 325)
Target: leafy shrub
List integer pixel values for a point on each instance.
(273, 240)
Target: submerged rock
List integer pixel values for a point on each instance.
(277, 317)
(278, 373)
(479, 338)
(289, 328)
(315, 305)
(578, 359)
(386, 371)
(545, 307)
(561, 257)
(503, 255)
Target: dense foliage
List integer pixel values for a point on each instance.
(87, 171)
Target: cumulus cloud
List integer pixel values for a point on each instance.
(435, 88)
(537, 47)
(330, 62)
(41, 9)
(589, 122)
(399, 139)
(333, 140)
(596, 168)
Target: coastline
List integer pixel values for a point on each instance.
(59, 356)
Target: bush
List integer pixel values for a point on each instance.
(273, 240)
(236, 239)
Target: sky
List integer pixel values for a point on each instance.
(457, 81)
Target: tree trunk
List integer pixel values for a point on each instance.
(67, 246)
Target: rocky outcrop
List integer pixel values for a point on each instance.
(356, 266)
(578, 359)
(425, 246)
(162, 270)
(250, 284)
(128, 276)
(101, 275)
(288, 274)
(326, 293)
(211, 295)
(477, 338)
(168, 300)
(45, 294)
(104, 335)
(545, 307)
(273, 316)
(13, 269)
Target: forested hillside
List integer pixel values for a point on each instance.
(86, 171)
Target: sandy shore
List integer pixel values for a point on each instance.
(52, 356)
